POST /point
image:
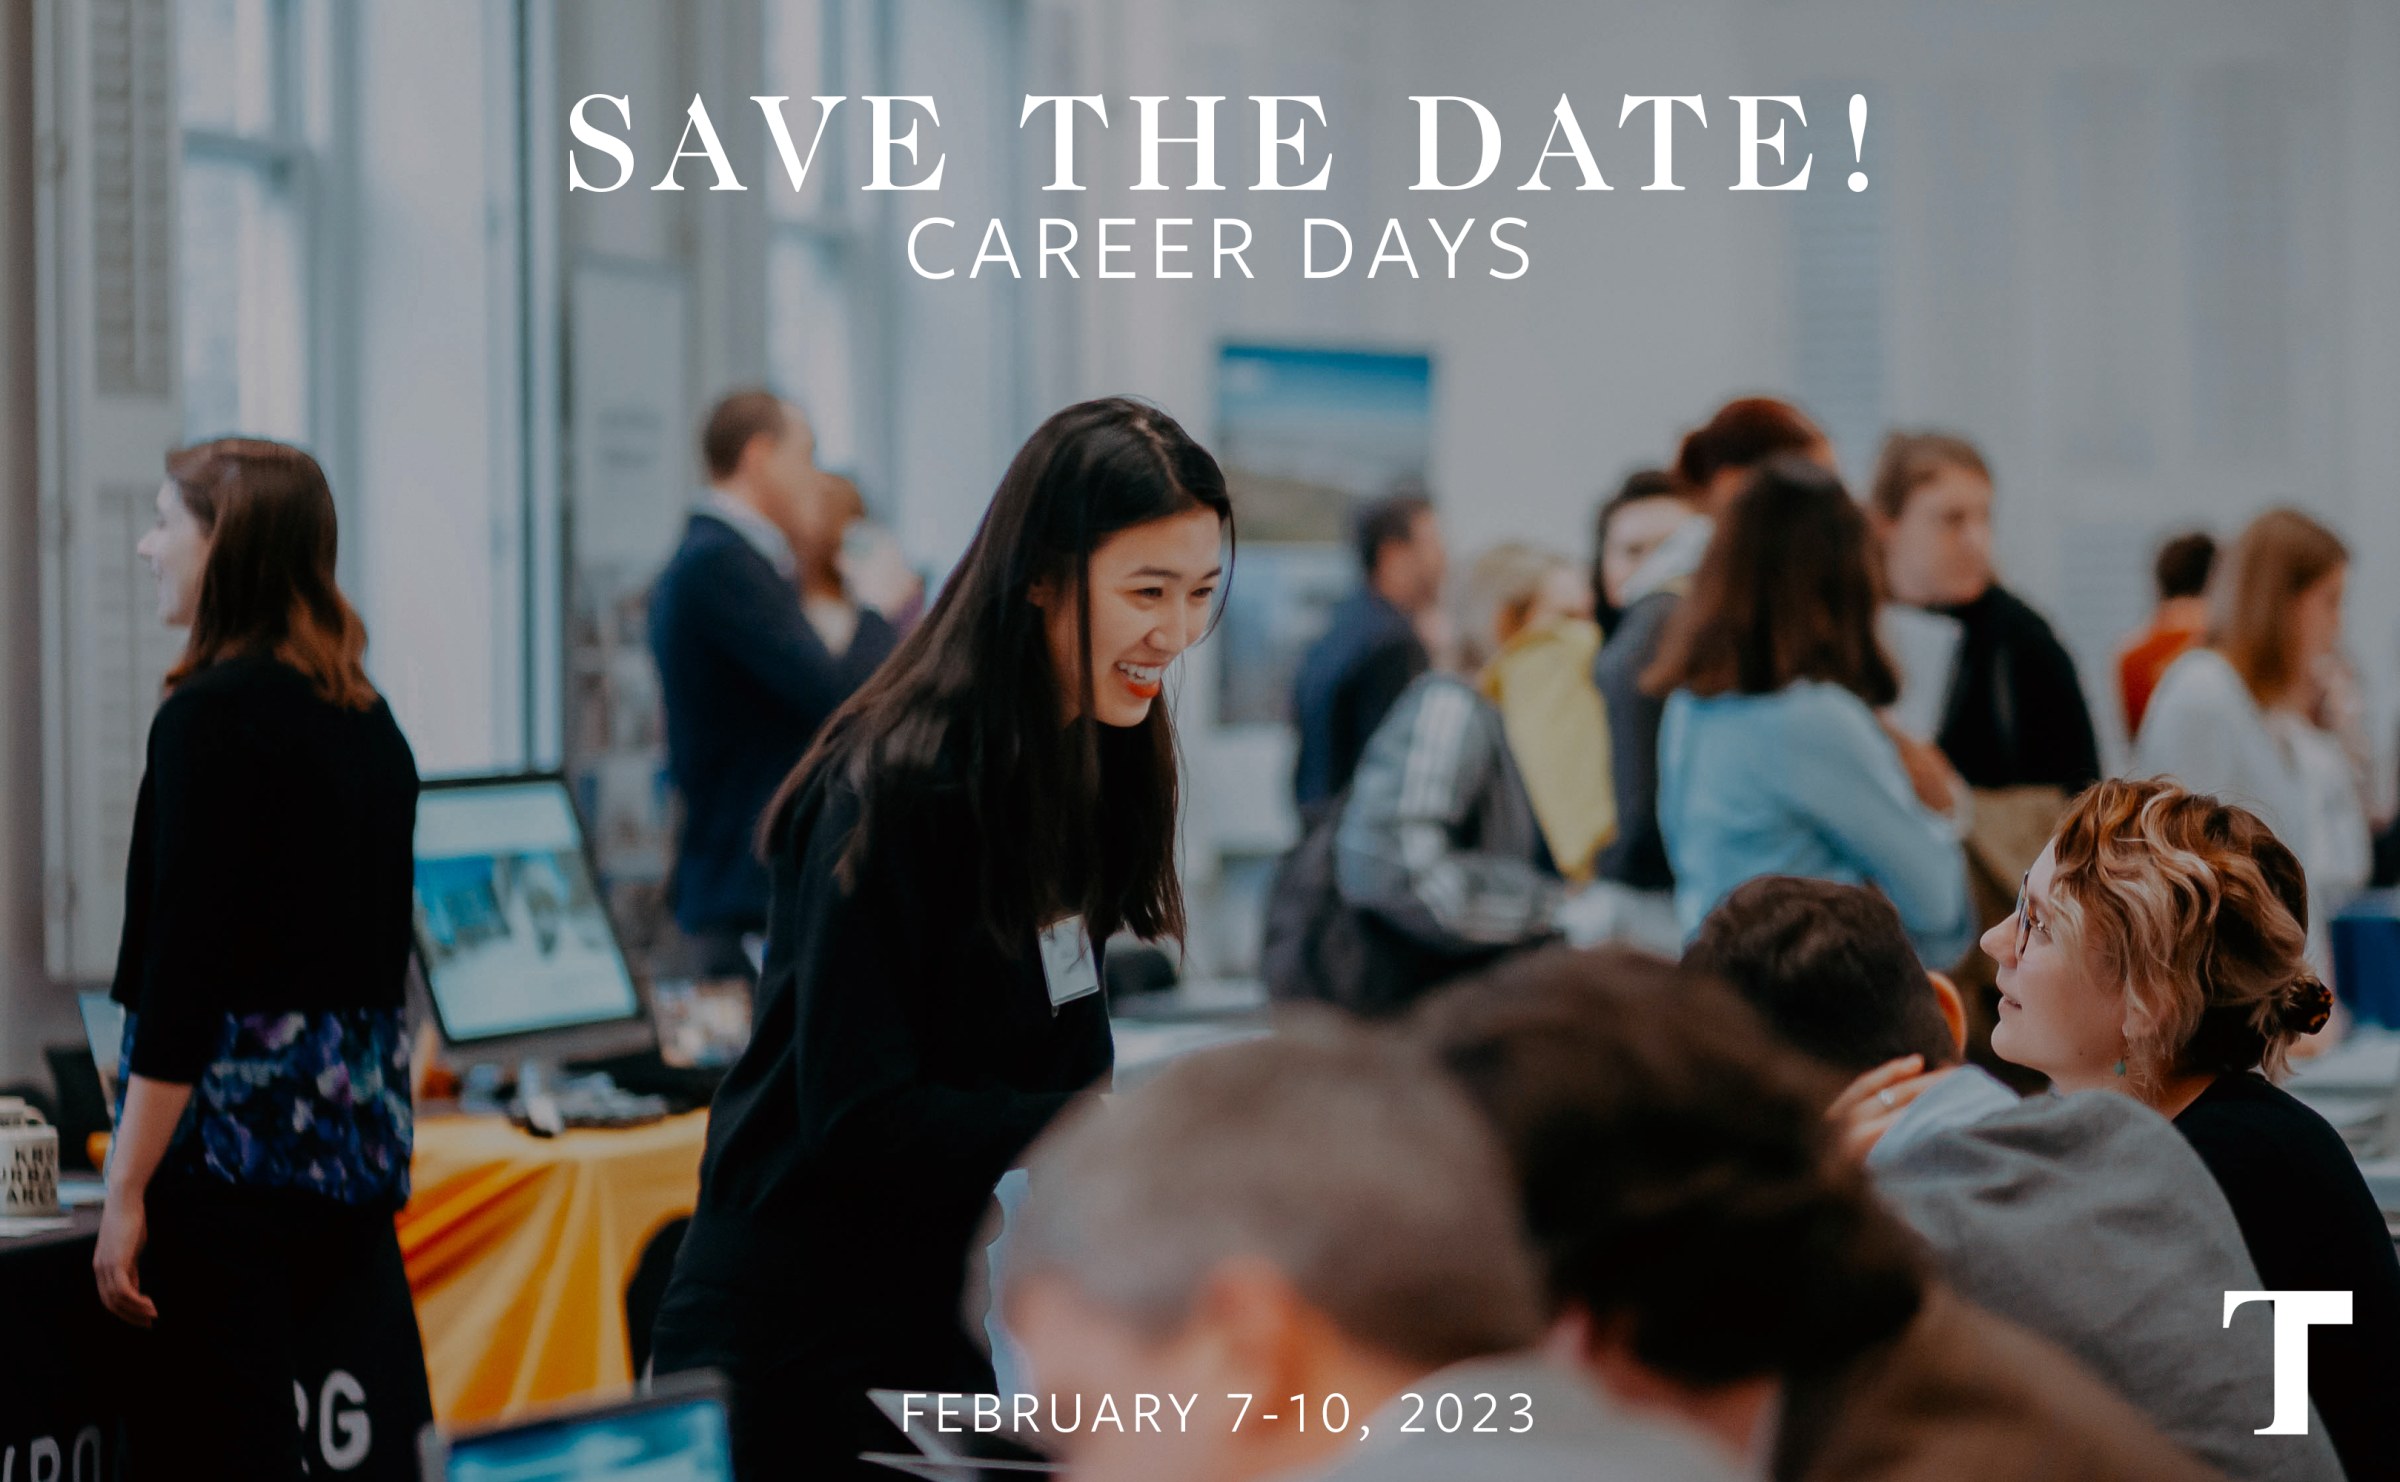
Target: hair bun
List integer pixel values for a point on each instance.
(2307, 1005)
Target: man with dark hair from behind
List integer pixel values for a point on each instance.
(1710, 1253)
(1321, 1216)
(1814, 958)
(2181, 572)
(1371, 648)
(2087, 1218)
(745, 679)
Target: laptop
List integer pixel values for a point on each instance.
(104, 1031)
(956, 1452)
(676, 1432)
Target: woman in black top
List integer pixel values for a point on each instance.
(264, 1138)
(2156, 950)
(990, 808)
(2015, 715)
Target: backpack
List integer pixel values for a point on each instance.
(1311, 947)
(1316, 947)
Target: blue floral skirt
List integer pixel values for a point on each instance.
(313, 1103)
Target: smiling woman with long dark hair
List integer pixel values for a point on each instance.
(265, 1135)
(947, 861)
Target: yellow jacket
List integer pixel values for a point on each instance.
(1558, 732)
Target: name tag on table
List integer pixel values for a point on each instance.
(1067, 962)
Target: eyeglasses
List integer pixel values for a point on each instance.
(2025, 913)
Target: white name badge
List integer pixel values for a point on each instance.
(1067, 962)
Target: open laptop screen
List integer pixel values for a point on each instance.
(511, 929)
(664, 1439)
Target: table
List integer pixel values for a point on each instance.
(1157, 1028)
(2356, 1087)
(60, 1359)
(65, 1373)
(519, 1250)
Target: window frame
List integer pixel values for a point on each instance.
(289, 164)
(308, 153)
(852, 49)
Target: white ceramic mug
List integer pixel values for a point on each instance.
(28, 1163)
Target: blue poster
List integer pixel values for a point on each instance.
(1305, 436)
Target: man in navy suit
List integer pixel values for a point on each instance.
(1371, 649)
(746, 679)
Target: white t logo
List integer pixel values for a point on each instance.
(2295, 1314)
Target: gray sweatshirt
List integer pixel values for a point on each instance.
(2090, 1220)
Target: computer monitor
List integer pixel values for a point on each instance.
(104, 1031)
(676, 1433)
(518, 954)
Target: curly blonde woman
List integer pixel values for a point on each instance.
(2157, 950)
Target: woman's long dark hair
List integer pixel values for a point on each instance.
(268, 584)
(1072, 817)
(1787, 591)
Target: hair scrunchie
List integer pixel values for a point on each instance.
(2307, 1005)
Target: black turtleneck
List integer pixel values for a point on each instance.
(2016, 713)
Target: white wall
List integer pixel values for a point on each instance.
(626, 48)
(951, 350)
(2135, 252)
(2040, 263)
(659, 54)
(2366, 308)
(33, 1011)
(422, 436)
(1642, 309)
(1637, 306)
(437, 495)
(957, 362)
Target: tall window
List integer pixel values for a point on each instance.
(814, 286)
(246, 213)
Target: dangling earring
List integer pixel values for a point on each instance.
(2120, 1067)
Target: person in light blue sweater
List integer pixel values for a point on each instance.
(1771, 758)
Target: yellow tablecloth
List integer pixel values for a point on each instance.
(519, 1249)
